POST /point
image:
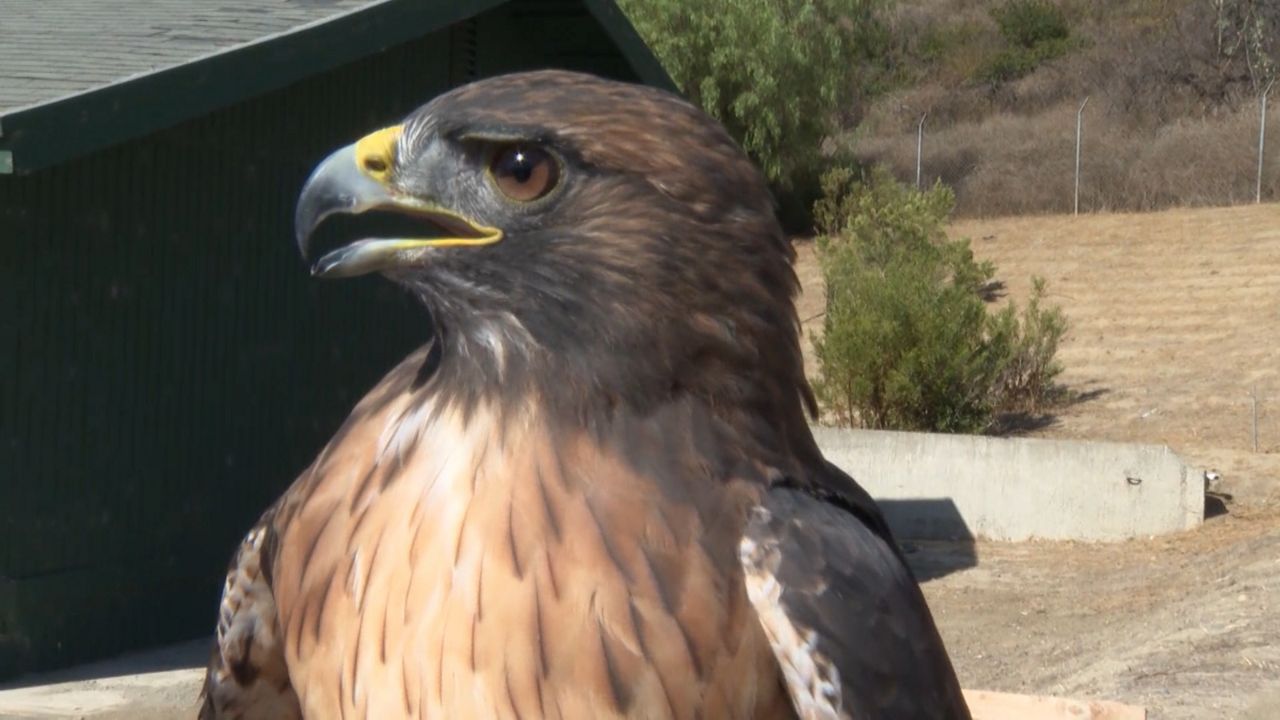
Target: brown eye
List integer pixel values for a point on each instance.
(524, 173)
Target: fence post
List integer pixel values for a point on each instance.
(1079, 126)
(919, 147)
(1262, 141)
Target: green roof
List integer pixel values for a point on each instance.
(80, 75)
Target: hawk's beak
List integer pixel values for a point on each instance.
(367, 225)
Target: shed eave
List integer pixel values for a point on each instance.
(45, 134)
(38, 136)
(633, 47)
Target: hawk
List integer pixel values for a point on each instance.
(594, 492)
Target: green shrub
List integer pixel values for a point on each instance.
(777, 74)
(904, 336)
(885, 220)
(1008, 64)
(1028, 23)
(1027, 381)
(907, 341)
(940, 44)
(1015, 62)
(1036, 31)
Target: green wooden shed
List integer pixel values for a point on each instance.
(167, 366)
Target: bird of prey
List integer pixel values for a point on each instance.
(594, 492)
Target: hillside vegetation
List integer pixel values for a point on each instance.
(1172, 118)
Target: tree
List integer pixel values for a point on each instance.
(774, 72)
(1245, 31)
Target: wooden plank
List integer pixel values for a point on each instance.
(988, 705)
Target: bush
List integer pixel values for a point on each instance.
(1029, 23)
(884, 223)
(954, 48)
(1008, 64)
(907, 341)
(777, 73)
(1030, 340)
(1015, 62)
(904, 336)
(1036, 31)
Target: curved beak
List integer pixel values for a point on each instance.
(365, 224)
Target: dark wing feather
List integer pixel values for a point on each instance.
(846, 619)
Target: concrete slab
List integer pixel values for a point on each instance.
(943, 487)
(153, 685)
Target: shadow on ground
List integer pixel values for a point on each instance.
(1215, 504)
(993, 290)
(192, 654)
(932, 534)
(1023, 423)
(933, 559)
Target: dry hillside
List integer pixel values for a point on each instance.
(1175, 317)
(1172, 119)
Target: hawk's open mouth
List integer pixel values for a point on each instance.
(359, 225)
(350, 244)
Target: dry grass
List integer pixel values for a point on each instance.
(1174, 317)
(1170, 122)
(1009, 164)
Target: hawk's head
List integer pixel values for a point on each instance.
(595, 242)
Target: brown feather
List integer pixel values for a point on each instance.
(247, 678)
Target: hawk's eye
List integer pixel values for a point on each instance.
(524, 173)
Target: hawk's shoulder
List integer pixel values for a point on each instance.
(848, 624)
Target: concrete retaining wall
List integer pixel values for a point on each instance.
(954, 486)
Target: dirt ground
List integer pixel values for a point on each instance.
(1187, 626)
(1175, 316)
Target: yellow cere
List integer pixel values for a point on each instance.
(376, 151)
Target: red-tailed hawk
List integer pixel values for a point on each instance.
(594, 493)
